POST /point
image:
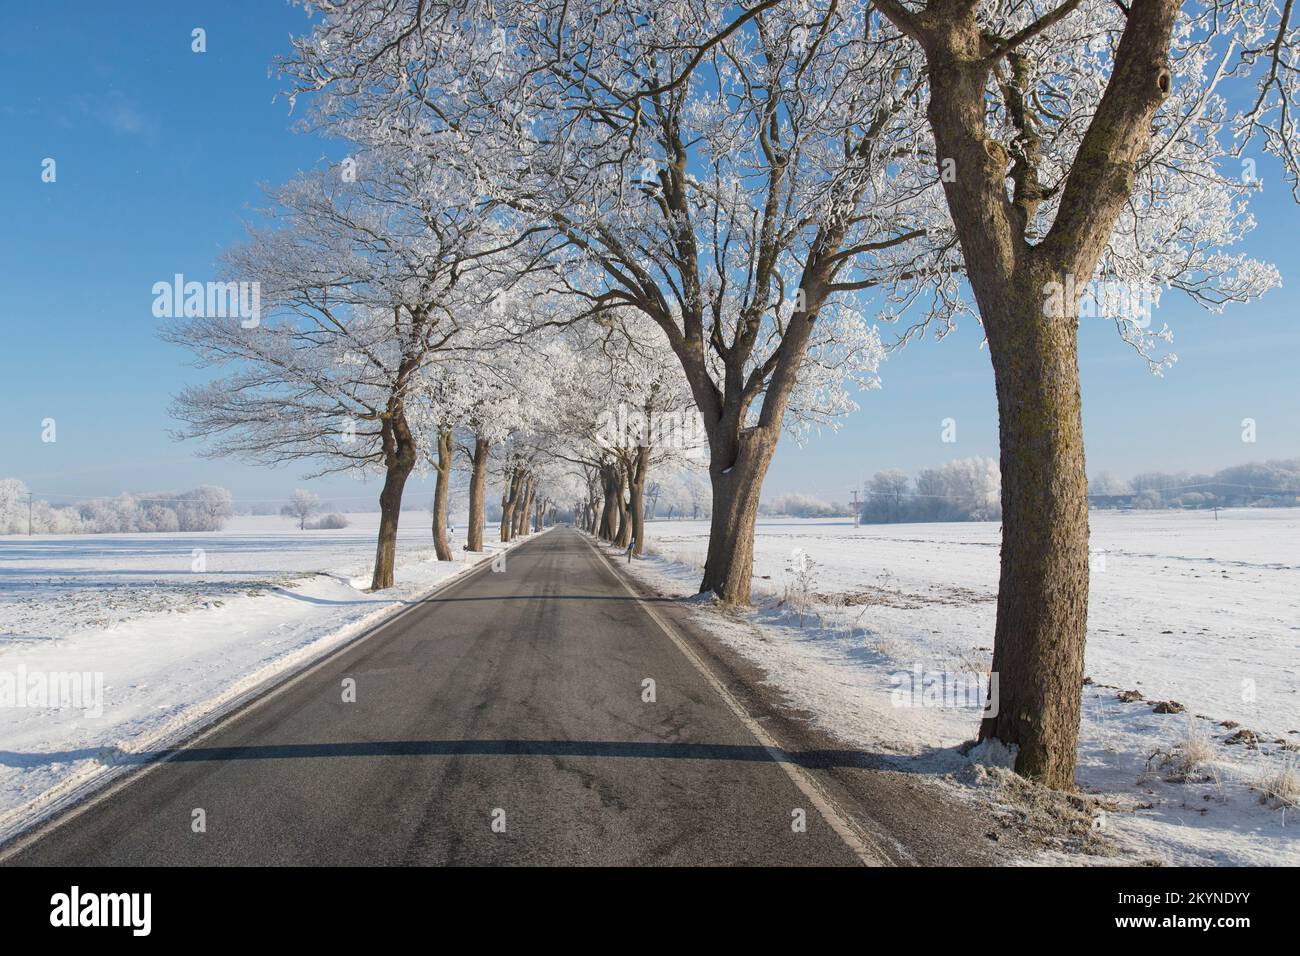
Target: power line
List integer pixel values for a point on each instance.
(134, 497)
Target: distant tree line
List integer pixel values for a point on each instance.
(803, 506)
(1256, 484)
(968, 489)
(205, 508)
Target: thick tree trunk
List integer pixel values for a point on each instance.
(1043, 589)
(440, 493)
(477, 483)
(729, 565)
(399, 461)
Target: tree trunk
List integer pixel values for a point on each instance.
(729, 565)
(440, 493)
(529, 527)
(636, 495)
(508, 499)
(521, 506)
(399, 462)
(623, 537)
(608, 514)
(1043, 589)
(477, 482)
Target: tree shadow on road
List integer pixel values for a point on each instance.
(645, 750)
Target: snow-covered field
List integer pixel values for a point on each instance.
(1184, 608)
(177, 627)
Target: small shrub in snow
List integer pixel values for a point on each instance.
(329, 522)
(1279, 788)
(802, 580)
(1191, 757)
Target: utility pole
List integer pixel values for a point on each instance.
(29, 514)
(857, 511)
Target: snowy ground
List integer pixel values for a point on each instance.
(1185, 608)
(180, 626)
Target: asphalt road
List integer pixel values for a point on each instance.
(500, 721)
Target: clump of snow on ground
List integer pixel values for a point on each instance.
(1190, 615)
(180, 626)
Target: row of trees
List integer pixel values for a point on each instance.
(1269, 482)
(551, 182)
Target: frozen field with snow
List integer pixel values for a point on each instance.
(1184, 608)
(180, 626)
(54, 585)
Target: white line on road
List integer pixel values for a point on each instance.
(867, 852)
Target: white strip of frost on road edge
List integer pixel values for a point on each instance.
(863, 847)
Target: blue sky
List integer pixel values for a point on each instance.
(160, 152)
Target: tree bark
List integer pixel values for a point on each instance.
(729, 563)
(521, 506)
(623, 536)
(636, 498)
(440, 494)
(477, 482)
(529, 526)
(399, 461)
(608, 514)
(508, 499)
(1043, 588)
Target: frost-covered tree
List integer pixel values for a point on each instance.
(206, 508)
(1085, 148)
(734, 176)
(302, 504)
(364, 282)
(1107, 483)
(887, 496)
(13, 506)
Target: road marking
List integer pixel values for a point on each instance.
(95, 791)
(862, 846)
